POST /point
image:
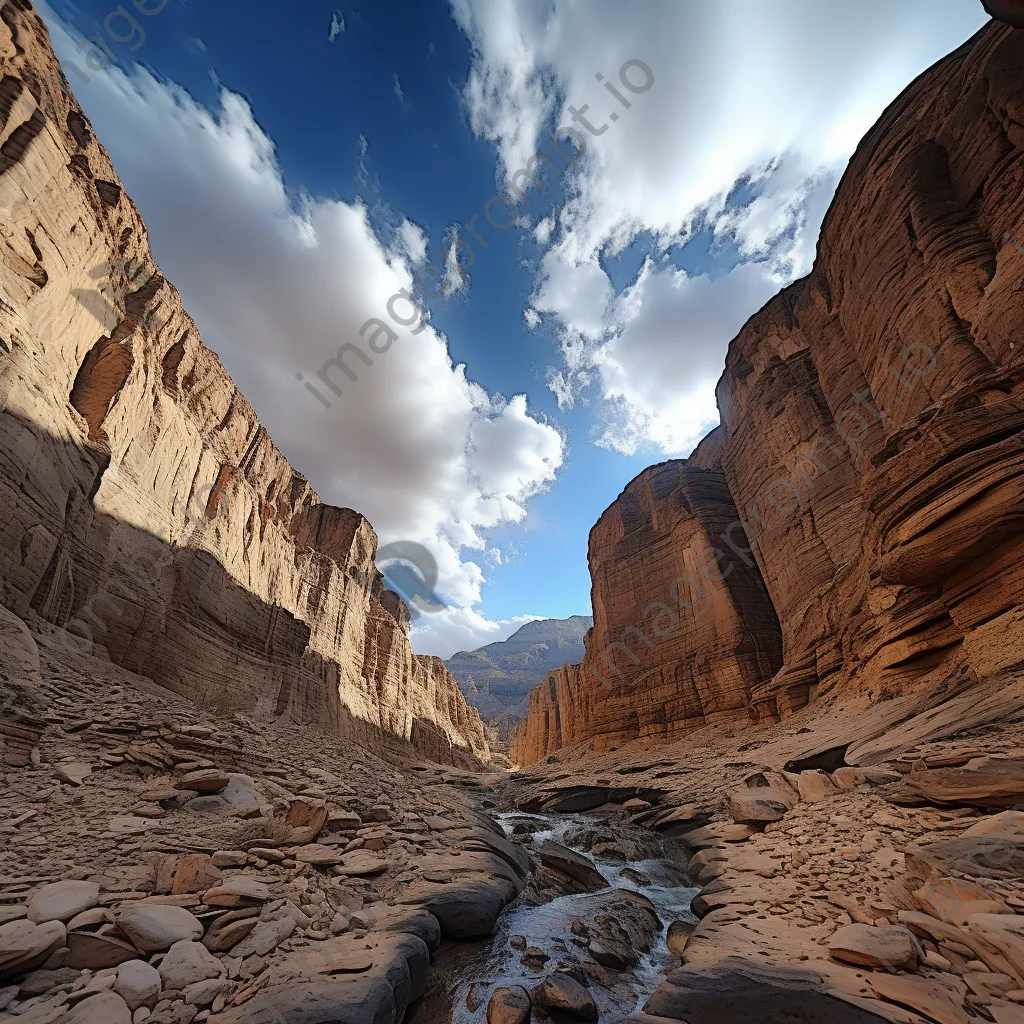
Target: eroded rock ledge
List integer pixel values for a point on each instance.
(854, 526)
(247, 592)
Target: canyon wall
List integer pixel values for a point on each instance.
(853, 529)
(148, 518)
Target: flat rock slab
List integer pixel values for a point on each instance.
(361, 865)
(736, 991)
(982, 782)
(205, 780)
(357, 1000)
(991, 855)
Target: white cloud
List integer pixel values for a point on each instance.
(276, 283)
(412, 242)
(753, 112)
(462, 629)
(337, 26)
(542, 232)
(531, 318)
(400, 93)
(659, 367)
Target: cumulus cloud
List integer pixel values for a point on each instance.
(337, 26)
(753, 112)
(276, 282)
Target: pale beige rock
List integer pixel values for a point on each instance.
(104, 1008)
(874, 947)
(238, 891)
(138, 984)
(61, 901)
(188, 962)
(815, 786)
(25, 945)
(154, 928)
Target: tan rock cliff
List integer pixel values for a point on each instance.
(145, 510)
(861, 504)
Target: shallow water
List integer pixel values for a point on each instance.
(495, 963)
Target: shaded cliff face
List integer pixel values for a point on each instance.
(148, 518)
(869, 462)
(496, 678)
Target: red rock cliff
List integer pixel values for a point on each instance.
(247, 592)
(855, 524)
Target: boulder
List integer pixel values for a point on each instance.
(138, 984)
(186, 963)
(61, 901)
(815, 785)
(576, 869)
(739, 991)
(95, 952)
(238, 891)
(509, 1004)
(354, 1000)
(678, 933)
(25, 945)
(566, 996)
(761, 798)
(103, 1008)
(891, 947)
(464, 910)
(153, 927)
(320, 856)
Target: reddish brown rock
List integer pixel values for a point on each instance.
(860, 503)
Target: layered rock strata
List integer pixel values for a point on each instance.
(148, 517)
(854, 525)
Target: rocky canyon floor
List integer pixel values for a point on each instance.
(168, 862)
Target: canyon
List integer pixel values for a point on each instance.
(783, 783)
(852, 530)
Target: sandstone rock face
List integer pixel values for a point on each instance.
(149, 519)
(854, 524)
(676, 640)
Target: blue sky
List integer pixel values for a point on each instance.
(290, 183)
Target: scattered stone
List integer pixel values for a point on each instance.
(565, 995)
(25, 945)
(153, 928)
(138, 984)
(863, 944)
(206, 781)
(509, 1005)
(73, 773)
(61, 901)
(187, 962)
(103, 1008)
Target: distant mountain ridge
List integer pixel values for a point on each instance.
(497, 678)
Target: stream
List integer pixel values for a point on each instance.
(548, 926)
